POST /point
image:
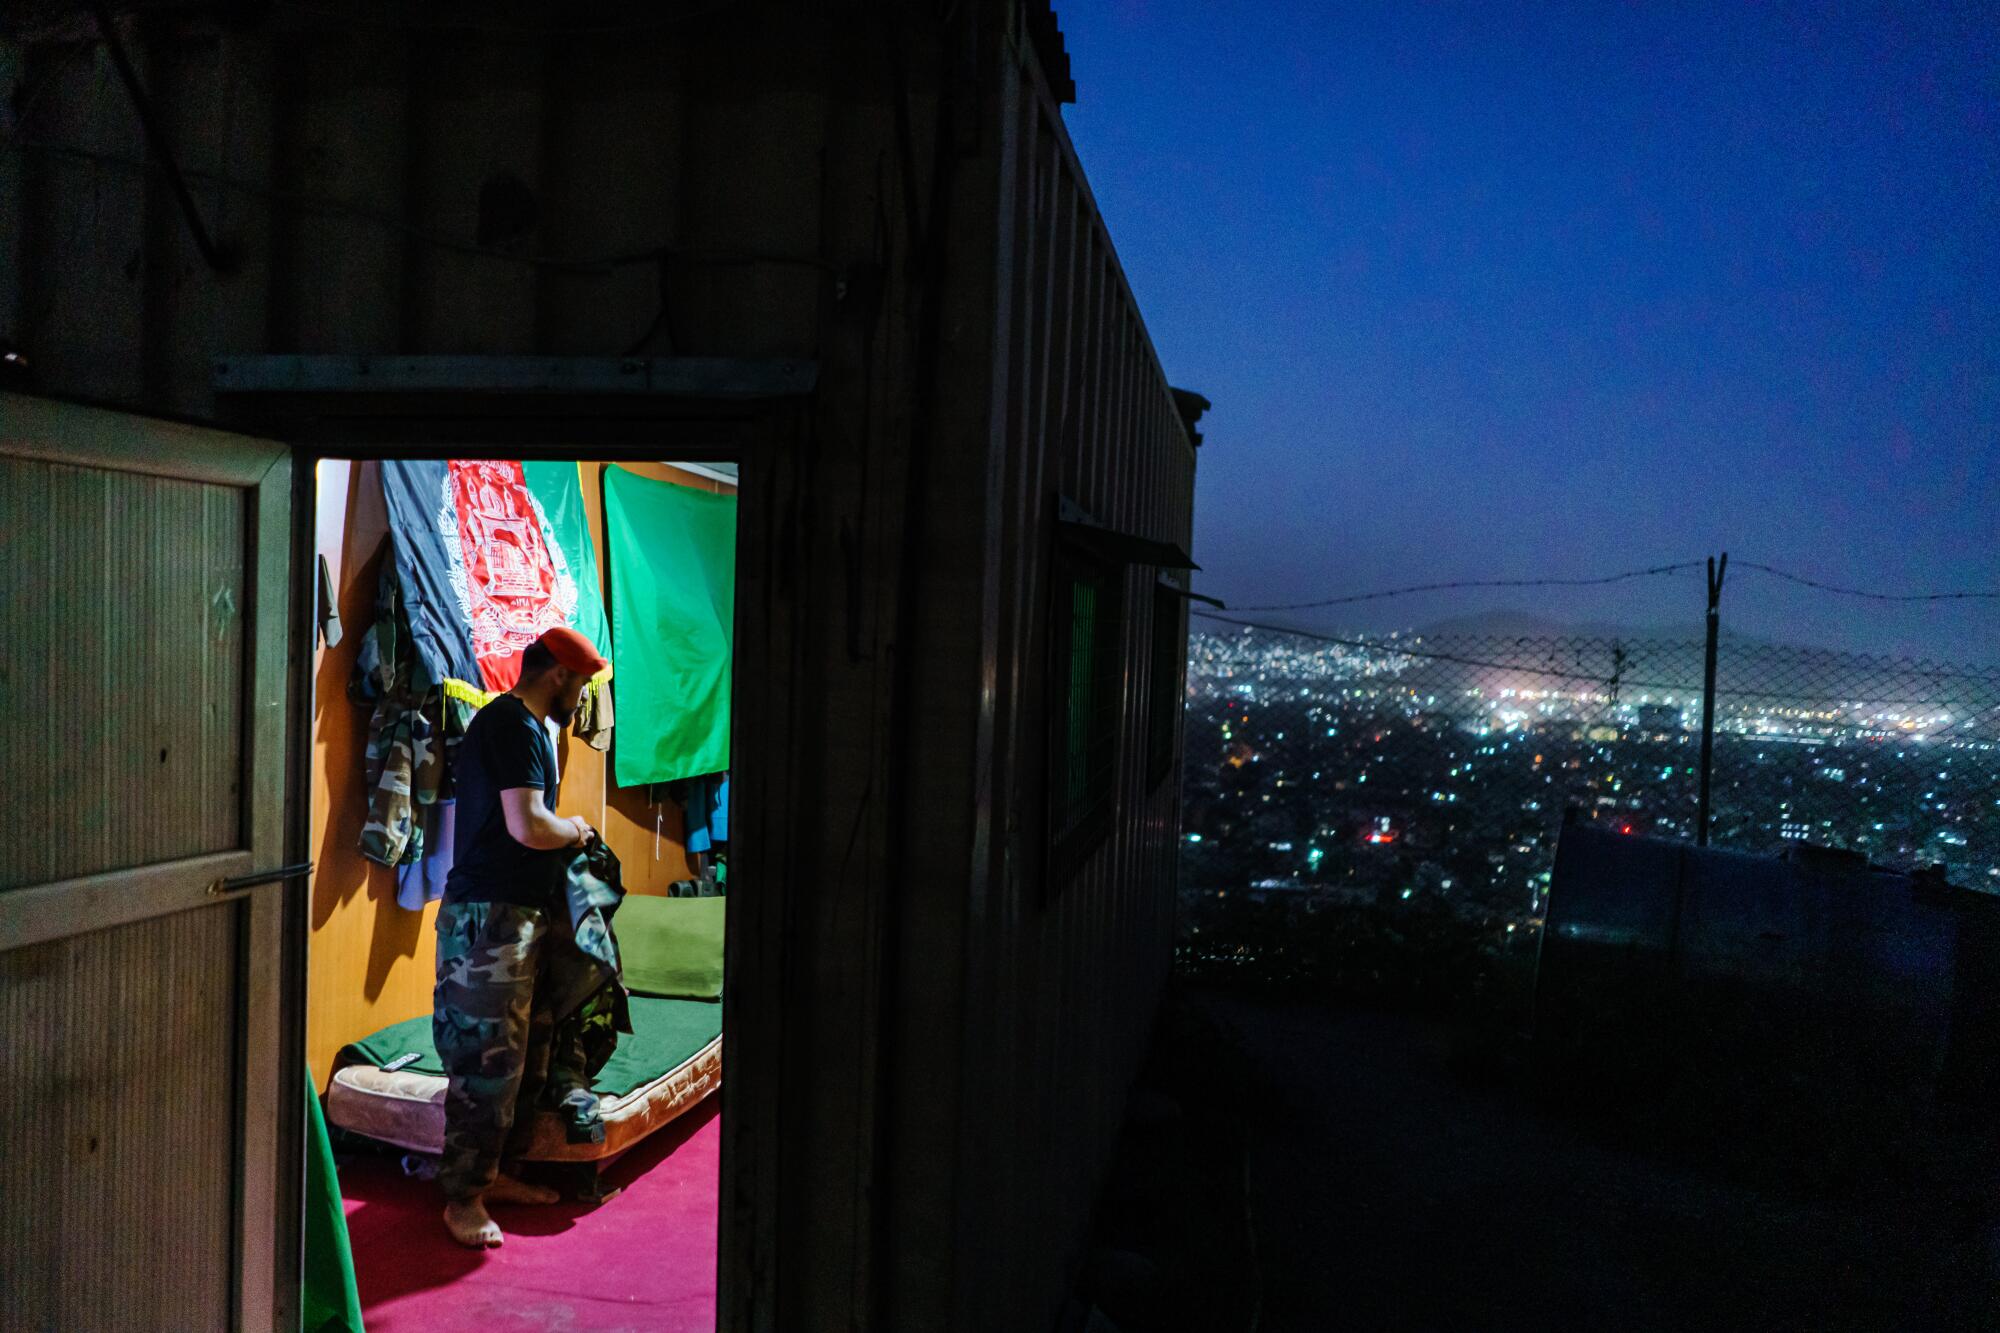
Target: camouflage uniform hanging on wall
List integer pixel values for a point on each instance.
(413, 731)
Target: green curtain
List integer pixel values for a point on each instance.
(673, 600)
(557, 490)
(329, 1302)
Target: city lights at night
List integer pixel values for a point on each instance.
(1316, 767)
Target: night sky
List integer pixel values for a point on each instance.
(1489, 291)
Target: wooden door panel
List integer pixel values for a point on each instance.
(144, 639)
(122, 598)
(117, 1107)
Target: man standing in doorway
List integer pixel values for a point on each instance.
(502, 901)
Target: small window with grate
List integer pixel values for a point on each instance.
(1087, 692)
(1164, 705)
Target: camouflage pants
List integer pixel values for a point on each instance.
(491, 1036)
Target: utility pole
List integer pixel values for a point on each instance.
(1716, 572)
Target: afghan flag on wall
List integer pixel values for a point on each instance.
(491, 553)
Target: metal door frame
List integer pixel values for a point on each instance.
(747, 413)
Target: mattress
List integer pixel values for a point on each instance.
(405, 1107)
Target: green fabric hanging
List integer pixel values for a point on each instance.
(329, 1302)
(673, 599)
(557, 490)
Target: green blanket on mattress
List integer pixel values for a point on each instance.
(664, 1034)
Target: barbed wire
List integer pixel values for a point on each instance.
(1654, 571)
(1803, 581)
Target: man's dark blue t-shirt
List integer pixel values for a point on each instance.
(505, 747)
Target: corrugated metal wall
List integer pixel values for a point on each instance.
(385, 187)
(1065, 978)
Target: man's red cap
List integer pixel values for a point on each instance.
(572, 650)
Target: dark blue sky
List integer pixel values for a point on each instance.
(1489, 290)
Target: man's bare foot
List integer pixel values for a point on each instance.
(469, 1225)
(506, 1189)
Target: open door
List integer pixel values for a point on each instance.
(144, 587)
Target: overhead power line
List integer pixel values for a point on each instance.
(1477, 583)
(1871, 596)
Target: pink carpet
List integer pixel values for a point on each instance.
(644, 1261)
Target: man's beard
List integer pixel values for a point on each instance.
(561, 716)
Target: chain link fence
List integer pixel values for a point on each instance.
(1378, 813)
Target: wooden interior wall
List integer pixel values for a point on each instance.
(370, 960)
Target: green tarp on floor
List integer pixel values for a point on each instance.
(329, 1302)
(673, 601)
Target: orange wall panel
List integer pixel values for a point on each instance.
(368, 961)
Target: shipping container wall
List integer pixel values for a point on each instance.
(1065, 967)
(929, 1042)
